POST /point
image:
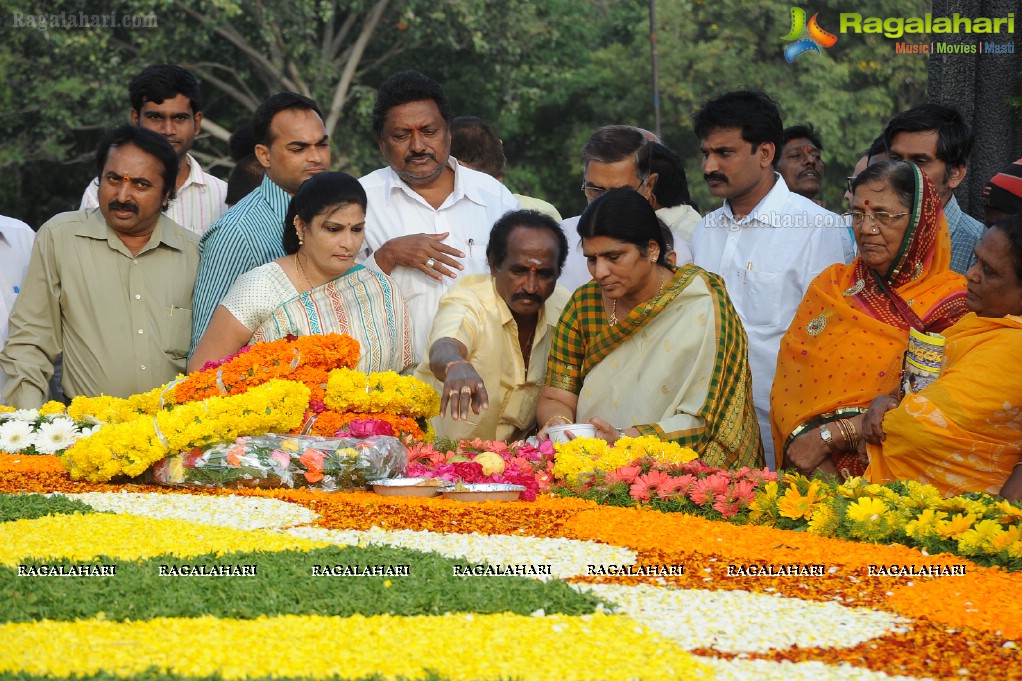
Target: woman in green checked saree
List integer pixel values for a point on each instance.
(646, 349)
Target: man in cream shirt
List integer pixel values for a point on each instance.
(489, 343)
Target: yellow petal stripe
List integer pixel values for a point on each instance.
(83, 537)
(457, 647)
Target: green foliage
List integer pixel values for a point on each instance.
(547, 73)
(32, 506)
(283, 585)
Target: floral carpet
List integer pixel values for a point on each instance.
(108, 581)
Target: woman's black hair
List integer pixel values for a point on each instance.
(625, 215)
(1011, 227)
(317, 194)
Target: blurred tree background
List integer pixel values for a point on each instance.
(547, 73)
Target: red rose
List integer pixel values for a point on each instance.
(469, 471)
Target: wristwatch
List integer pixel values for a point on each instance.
(827, 438)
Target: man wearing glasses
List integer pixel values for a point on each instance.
(767, 242)
(615, 156)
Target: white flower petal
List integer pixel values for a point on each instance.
(566, 557)
(243, 513)
(741, 670)
(743, 622)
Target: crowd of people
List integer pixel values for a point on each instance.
(769, 331)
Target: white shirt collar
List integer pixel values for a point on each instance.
(463, 186)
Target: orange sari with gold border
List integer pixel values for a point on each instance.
(846, 342)
(963, 432)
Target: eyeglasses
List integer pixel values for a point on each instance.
(882, 218)
(592, 191)
(849, 181)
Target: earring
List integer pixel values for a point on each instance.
(301, 241)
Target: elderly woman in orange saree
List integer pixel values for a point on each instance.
(963, 432)
(846, 343)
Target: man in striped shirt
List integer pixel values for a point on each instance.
(292, 145)
(166, 99)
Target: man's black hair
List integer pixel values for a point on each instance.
(496, 248)
(954, 140)
(405, 87)
(263, 117)
(751, 111)
(148, 141)
(161, 82)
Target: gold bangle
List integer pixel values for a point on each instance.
(556, 416)
(845, 435)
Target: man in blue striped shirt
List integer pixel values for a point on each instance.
(292, 145)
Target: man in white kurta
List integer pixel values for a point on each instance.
(766, 242)
(428, 219)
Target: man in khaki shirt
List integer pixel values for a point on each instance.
(111, 288)
(490, 340)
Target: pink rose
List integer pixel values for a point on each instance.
(281, 460)
(368, 427)
(469, 471)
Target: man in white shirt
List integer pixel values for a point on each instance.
(767, 242)
(16, 240)
(429, 219)
(166, 99)
(617, 156)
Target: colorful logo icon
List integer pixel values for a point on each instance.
(817, 36)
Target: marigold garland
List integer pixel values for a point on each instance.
(129, 448)
(382, 392)
(328, 422)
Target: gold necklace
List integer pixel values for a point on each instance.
(612, 319)
(300, 272)
(528, 349)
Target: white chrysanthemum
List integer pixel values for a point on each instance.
(15, 436)
(30, 415)
(56, 436)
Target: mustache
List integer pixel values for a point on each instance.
(424, 154)
(527, 296)
(720, 177)
(117, 205)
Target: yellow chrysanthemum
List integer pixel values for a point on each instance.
(764, 505)
(866, 509)
(663, 451)
(796, 505)
(584, 456)
(979, 539)
(1003, 541)
(852, 488)
(382, 392)
(924, 525)
(51, 408)
(955, 525)
(870, 519)
(824, 521)
(1010, 513)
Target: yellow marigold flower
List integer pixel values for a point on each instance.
(795, 505)
(955, 525)
(382, 392)
(4, 409)
(664, 451)
(50, 408)
(584, 456)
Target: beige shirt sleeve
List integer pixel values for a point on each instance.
(35, 333)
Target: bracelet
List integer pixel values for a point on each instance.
(846, 435)
(856, 439)
(448, 366)
(556, 416)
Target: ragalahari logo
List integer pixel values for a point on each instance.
(817, 36)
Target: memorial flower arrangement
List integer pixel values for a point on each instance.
(482, 461)
(583, 457)
(130, 447)
(47, 430)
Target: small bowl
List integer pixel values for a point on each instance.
(408, 487)
(486, 491)
(559, 433)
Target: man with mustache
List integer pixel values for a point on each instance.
(767, 242)
(166, 99)
(292, 145)
(428, 219)
(110, 288)
(800, 161)
(490, 340)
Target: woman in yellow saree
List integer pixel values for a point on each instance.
(963, 432)
(846, 343)
(645, 349)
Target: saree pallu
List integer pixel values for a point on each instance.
(845, 345)
(361, 303)
(963, 432)
(676, 367)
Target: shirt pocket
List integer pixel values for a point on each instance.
(764, 292)
(176, 331)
